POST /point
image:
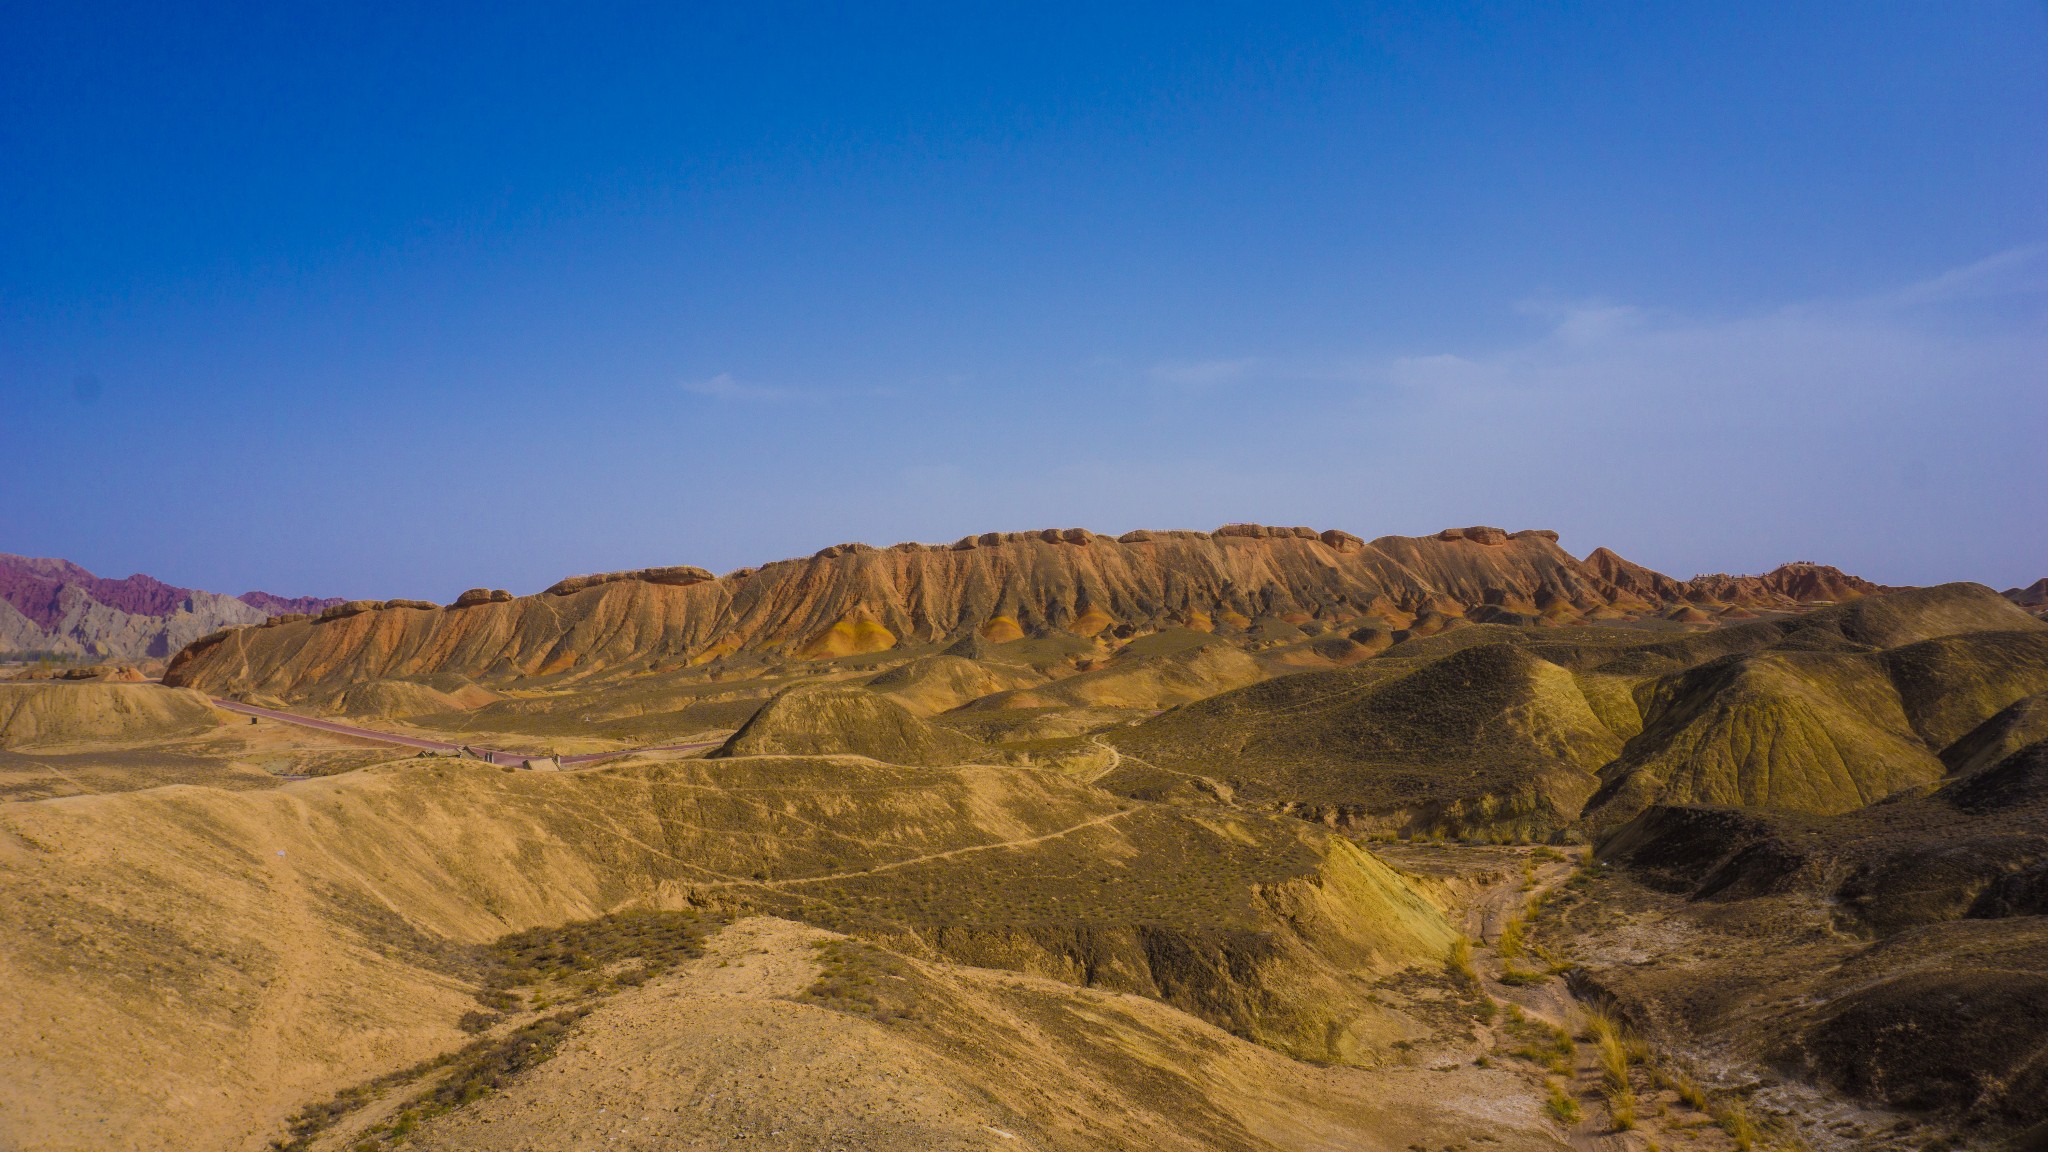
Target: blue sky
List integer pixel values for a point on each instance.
(377, 301)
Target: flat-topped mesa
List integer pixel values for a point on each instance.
(675, 575)
(853, 599)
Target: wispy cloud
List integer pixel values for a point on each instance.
(1202, 373)
(1838, 426)
(724, 387)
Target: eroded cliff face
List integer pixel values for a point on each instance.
(852, 598)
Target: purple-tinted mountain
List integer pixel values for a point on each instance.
(55, 606)
(275, 605)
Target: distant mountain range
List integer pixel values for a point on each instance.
(1245, 583)
(55, 606)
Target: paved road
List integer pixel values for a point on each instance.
(488, 755)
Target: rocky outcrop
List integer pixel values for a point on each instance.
(476, 596)
(680, 576)
(852, 599)
(1641, 584)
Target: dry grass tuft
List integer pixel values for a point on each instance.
(1561, 1105)
(1616, 1050)
(1459, 963)
(1734, 1119)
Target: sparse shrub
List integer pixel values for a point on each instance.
(475, 1022)
(1616, 1051)
(1521, 978)
(632, 946)
(474, 1071)
(1614, 1048)
(862, 980)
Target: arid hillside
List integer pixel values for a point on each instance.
(851, 599)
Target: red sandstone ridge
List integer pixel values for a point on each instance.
(1786, 586)
(854, 598)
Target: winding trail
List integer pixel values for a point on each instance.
(950, 853)
(487, 755)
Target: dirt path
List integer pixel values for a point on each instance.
(1117, 756)
(952, 853)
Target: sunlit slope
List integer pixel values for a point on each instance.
(1808, 732)
(933, 684)
(193, 964)
(1498, 730)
